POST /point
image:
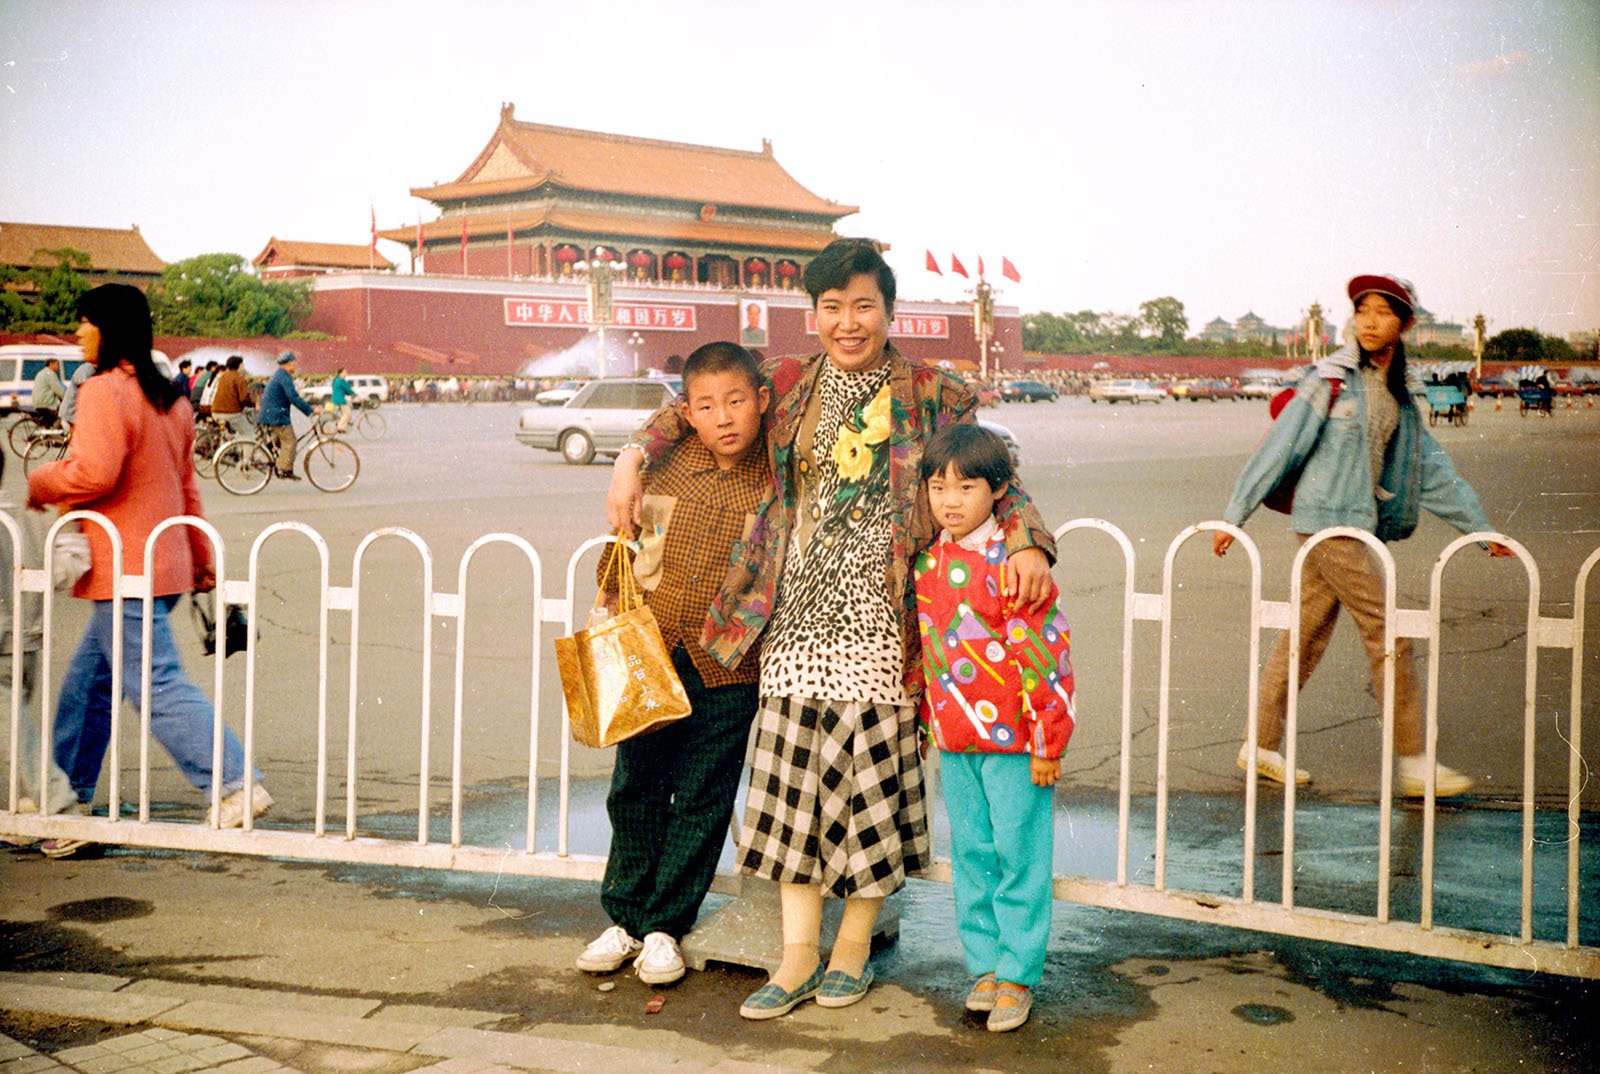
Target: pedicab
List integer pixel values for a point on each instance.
(1448, 401)
(1534, 393)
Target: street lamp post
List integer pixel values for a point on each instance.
(636, 341)
(983, 323)
(600, 314)
(1479, 326)
(997, 350)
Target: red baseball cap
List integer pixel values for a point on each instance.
(1394, 287)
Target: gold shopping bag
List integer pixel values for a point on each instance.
(616, 675)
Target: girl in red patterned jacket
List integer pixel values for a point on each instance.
(999, 707)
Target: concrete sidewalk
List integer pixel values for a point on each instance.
(166, 962)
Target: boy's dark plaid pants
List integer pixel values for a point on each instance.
(671, 797)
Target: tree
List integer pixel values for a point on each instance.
(1165, 318)
(57, 278)
(1519, 346)
(217, 295)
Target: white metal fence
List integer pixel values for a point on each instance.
(1561, 954)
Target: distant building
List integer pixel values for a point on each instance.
(287, 259)
(1218, 330)
(114, 253)
(1429, 330)
(539, 200)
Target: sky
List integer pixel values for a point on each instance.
(1239, 156)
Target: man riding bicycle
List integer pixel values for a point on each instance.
(274, 415)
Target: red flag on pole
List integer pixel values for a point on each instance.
(374, 211)
(1009, 271)
(932, 265)
(980, 266)
(957, 267)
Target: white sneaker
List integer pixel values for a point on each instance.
(609, 951)
(233, 807)
(1271, 765)
(1447, 782)
(660, 962)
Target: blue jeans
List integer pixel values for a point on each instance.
(180, 715)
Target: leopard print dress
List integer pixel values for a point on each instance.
(835, 793)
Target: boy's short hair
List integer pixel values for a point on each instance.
(721, 357)
(974, 452)
(841, 261)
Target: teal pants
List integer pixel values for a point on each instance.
(1001, 848)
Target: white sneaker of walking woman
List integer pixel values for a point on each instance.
(1447, 782)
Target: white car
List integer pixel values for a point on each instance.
(1126, 391)
(560, 395)
(600, 419)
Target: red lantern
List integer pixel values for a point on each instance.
(676, 261)
(755, 265)
(566, 255)
(786, 269)
(639, 259)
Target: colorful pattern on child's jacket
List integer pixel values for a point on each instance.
(999, 679)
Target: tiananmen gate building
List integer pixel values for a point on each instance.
(699, 243)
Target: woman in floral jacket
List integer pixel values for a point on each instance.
(835, 805)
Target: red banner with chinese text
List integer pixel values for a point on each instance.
(905, 326)
(541, 312)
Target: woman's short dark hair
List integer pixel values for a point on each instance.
(844, 259)
(721, 357)
(974, 452)
(122, 314)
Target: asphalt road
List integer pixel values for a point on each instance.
(452, 473)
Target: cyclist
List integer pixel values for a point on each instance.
(340, 396)
(232, 397)
(274, 414)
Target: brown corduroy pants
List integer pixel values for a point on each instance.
(1341, 572)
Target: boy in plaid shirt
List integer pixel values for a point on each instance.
(672, 789)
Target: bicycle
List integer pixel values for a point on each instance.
(245, 466)
(209, 435)
(22, 430)
(46, 444)
(364, 419)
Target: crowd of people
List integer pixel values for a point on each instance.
(848, 577)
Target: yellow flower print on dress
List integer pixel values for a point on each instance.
(852, 455)
(875, 418)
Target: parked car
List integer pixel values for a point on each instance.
(366, 386)
(1196, 390)
(1126, 391)
(1495, 386)
(1028, 391)
(560, 395)
(597, 420)
(1262, 387)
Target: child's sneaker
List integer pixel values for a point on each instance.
(660, 962)
(1003, 1019)
(981, 998)
(609, 951)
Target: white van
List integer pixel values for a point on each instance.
(366, 386)
(21, 362)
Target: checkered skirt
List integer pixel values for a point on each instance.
(835, 797)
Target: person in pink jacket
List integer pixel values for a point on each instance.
(129, 460)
